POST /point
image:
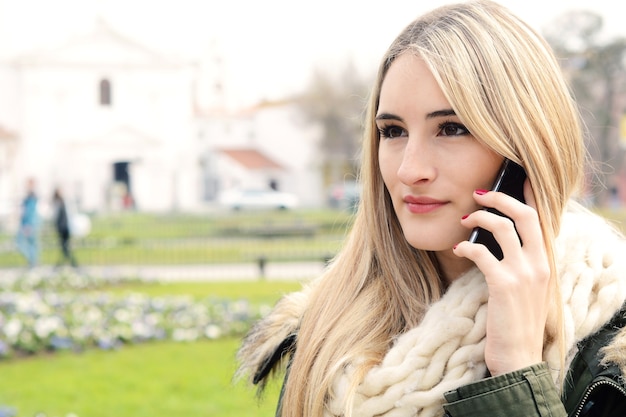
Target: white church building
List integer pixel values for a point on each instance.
(102, 115)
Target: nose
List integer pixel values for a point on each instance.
(418, 163)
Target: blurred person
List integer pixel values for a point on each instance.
(62, 227)
(413, 319)
(27, 239)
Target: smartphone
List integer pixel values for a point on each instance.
(510, 180)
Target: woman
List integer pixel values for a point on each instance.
(411, 319)
(27, 238)
(62, 227)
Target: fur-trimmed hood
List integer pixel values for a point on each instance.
(271, 339)
(591, 259)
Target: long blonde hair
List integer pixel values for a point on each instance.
(504, 83)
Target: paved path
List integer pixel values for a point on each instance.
(209, 272)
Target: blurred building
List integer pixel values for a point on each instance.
(265, 146)
(119, 125)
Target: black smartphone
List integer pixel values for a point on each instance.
(510, 180)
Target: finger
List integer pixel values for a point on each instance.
(499, 201)
(477, 253)
(524, 217)
(500, 226)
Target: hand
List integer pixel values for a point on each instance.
(519, 285)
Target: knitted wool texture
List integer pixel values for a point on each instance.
(447, 349)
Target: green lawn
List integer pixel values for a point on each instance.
(150, 380)
(258, 292)
(155, 379)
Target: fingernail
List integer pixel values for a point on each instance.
(465, 217)
(454, 247)
(480, 191)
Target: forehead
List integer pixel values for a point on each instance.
(410, 84)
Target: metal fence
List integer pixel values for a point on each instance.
(177, 250)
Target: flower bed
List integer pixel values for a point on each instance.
(48, 311)
(43, 314)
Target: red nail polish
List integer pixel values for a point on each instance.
(465, 217)
(454, 247)
(480, 191)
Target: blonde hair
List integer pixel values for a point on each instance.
(504, 83)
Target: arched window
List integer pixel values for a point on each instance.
(105, 92)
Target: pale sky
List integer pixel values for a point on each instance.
(268, 47)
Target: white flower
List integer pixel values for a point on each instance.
(212, 331)
(12, 328)
(141, 330)
(185, 335)
(93, 315)
(45, 326)
(122, 315)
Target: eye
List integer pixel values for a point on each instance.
(452, 129)
(391, 132)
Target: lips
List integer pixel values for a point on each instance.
(422, 205)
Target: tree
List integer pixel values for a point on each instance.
(336, 103)
(596, 71)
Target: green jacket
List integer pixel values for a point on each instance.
(591, 388)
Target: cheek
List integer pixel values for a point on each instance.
(478, 170)
(388, 167)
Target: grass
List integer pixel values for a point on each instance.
(129, 226)
(258, 292)
(153, 379)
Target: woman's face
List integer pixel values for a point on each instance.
(429, 162)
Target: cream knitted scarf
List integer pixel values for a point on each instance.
(446, 350)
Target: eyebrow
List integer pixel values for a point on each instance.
(441, 113)
(432, 115)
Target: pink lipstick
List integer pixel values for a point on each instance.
(422, 205)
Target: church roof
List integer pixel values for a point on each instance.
(252, 158)
(6, 135)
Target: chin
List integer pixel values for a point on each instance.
(435, 244)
